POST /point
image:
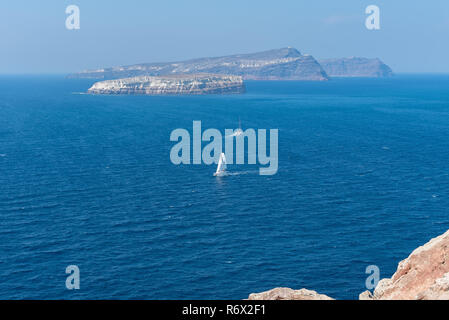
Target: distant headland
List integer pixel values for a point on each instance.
(356, 67)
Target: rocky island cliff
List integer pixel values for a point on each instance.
(171, 85)
(226, 74)
(356, 67)
(279, 64)
(423, 275)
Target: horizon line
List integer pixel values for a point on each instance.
(68, 73)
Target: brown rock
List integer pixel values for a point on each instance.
(288, 294)
(366, 295)
(424, 275)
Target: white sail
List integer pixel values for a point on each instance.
(239, 131)
(221, 168)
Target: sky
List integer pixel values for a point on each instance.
(413, 35)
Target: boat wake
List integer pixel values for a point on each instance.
(237, 173)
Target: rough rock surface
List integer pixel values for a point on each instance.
(424, 275)
(288, 294)
(279, 64)
(171, 85)
(356, 67)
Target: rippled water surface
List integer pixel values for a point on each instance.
(87, 180)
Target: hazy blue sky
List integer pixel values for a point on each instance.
(414, 35)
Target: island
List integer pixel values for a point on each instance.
(278, 64)
(356, 67)
(225, 74)
(191, 84)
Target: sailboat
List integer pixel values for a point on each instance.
(238, 131)
(221, 168)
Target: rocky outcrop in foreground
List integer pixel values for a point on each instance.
(356, 67)
(171, 85)
(288, 294)
(424, 275)
(279, 64)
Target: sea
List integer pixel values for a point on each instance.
(87, 180)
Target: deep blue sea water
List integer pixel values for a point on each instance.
(87, 180)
